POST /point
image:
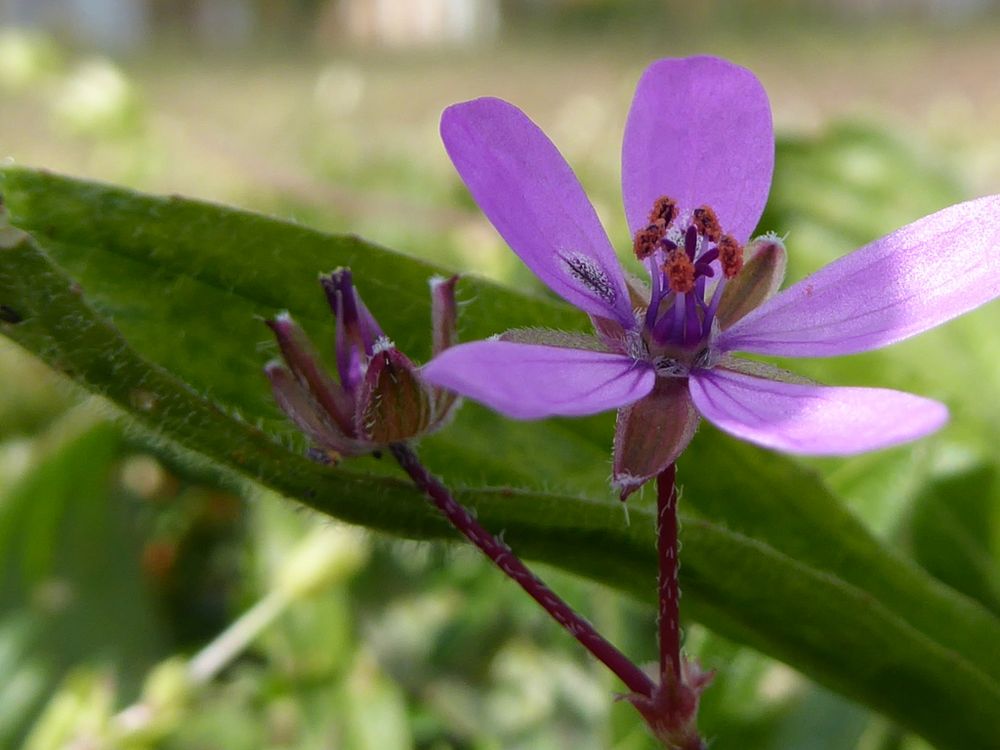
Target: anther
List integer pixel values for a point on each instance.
(707, 223)
(730, 256)
(647, 239)
(664, 209)
(679, 271)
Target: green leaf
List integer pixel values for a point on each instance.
(954, 531)
(162, 316)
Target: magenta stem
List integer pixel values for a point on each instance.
(504, 558)
(666, 545)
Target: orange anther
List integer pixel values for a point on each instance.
(664, 209)
(647, 239)
(707, 223)
(730, 256)
(680, 271)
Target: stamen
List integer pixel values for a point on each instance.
(664, 327)
(587, 272)
(692, 325)
(730, 256)
(707, 222)
(647, 239)
(713, 307)
(691, 242)
(680, 272)
(655, 294)
(664, 209)
(699, 289)
(703, 269)
(708, 256)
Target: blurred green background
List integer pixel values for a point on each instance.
(116, 561)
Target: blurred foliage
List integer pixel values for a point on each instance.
(123, 560)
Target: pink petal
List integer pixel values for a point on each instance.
(812, 419)
(913, 279)
(700, 132)
(525, 187)
(529, 381)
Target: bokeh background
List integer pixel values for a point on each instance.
(117, 562)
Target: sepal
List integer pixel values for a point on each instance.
(394, 403)
(299, 406)
(444, 314)
(305, 365)
(652, 433)
(672, 711)
(765, 261)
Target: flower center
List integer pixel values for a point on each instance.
(690, 258)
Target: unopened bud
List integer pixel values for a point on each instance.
(381, 397)
(394, 403)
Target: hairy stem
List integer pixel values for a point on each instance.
(504, 558)
(666, 545)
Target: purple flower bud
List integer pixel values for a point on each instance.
(380, 397)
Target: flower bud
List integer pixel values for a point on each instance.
(394, 403)
(378, 396)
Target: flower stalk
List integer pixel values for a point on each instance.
(672, 710)
(502, 556)
(669, 565)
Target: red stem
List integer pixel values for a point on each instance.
(504, 558)
(666, 546)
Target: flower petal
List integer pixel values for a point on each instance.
(530, 381)
(913, 279)
(525, 187)
(812, 419)
(699, 131)
(651, 433)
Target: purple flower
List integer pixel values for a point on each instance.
(696, 169)
(379, 397)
